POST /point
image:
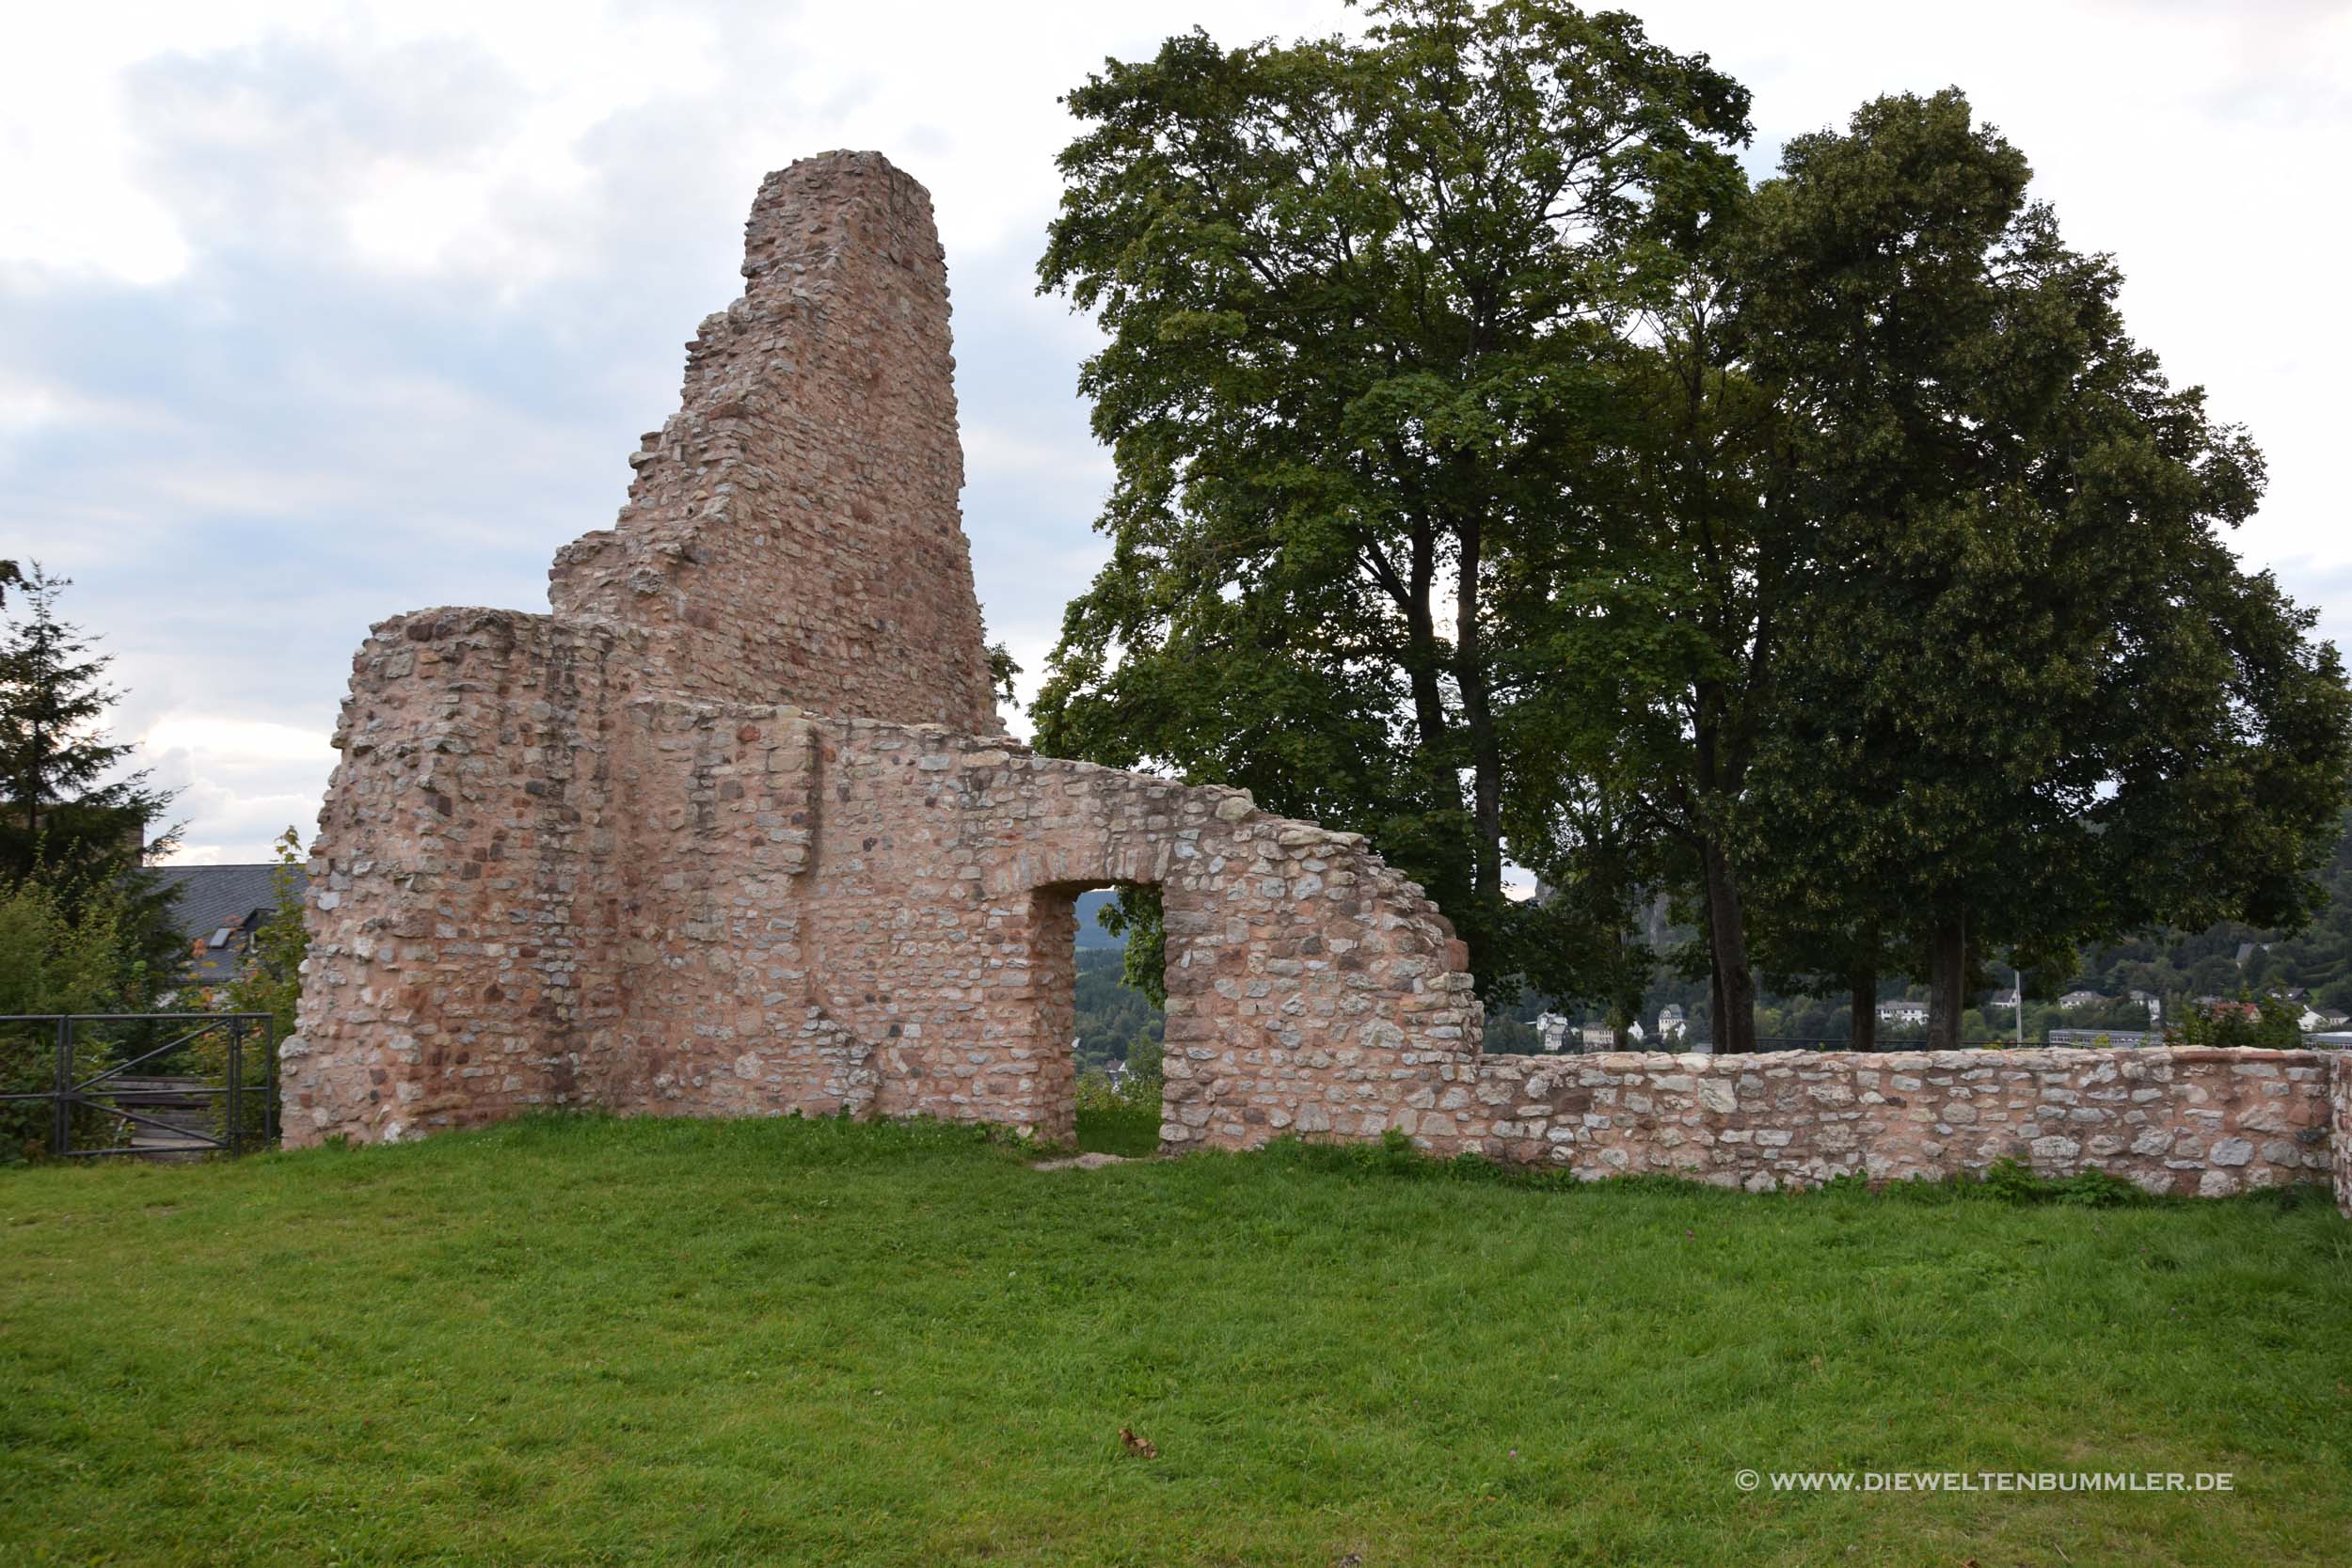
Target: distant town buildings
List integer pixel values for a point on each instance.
(2104, 1039)
(1554, 1032)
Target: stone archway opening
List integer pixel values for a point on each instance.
(1100, 1084)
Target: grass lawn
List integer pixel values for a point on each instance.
(1134, 1133)
(593, 1342)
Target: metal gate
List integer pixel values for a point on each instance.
(87, 1087)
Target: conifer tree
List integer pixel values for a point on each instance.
(69, 817)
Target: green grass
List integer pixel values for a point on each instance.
(1132, 1132)
(593, 1341)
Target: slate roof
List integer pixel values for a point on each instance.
(205, 899)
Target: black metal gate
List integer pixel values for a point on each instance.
(83, 1094)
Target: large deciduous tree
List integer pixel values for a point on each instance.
(1363, 300)
(2032, 699)
(1943, 653)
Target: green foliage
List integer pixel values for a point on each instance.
(2031, 700)
(1134, 918)
(2181, 965)
(584, 1340)
(1002, 672)
(2269, 1023)
(2012, 1180)
(268, 980)
(1117, 1023)
(1114, 1019)
(59, 956)
(56, 956)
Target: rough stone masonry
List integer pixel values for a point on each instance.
(735, 831)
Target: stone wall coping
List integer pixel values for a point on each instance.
(452, 620)
(2046, 1057)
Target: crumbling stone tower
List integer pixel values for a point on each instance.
(735, 830)
(792, 534)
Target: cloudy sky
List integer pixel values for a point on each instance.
(311, 315)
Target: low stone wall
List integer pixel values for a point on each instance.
(2189, 1122)
(2340, 1124)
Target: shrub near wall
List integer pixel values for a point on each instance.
(51, 961)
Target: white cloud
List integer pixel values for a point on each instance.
(239, 741)
(241, 781)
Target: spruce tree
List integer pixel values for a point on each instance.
(69, 818)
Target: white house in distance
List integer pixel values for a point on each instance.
(1671, 1027)
(1901, 1011)
(2074, 1000)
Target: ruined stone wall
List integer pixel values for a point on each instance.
(898, 901)
(2340, 1126)
(792, 534)
(459, 936)
(792, 913)
(2190, 1122)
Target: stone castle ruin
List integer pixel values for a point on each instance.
(735, 831)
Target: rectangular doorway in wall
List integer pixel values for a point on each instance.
(1115, 1030)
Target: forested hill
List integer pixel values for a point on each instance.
(2317, 958)
(1090, 932)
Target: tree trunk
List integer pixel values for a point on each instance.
(33, 778)
(1735, 984)
(1714, 978)
(1420, 631)
(1864, 979)
(1947, 982)
(1469, 674)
